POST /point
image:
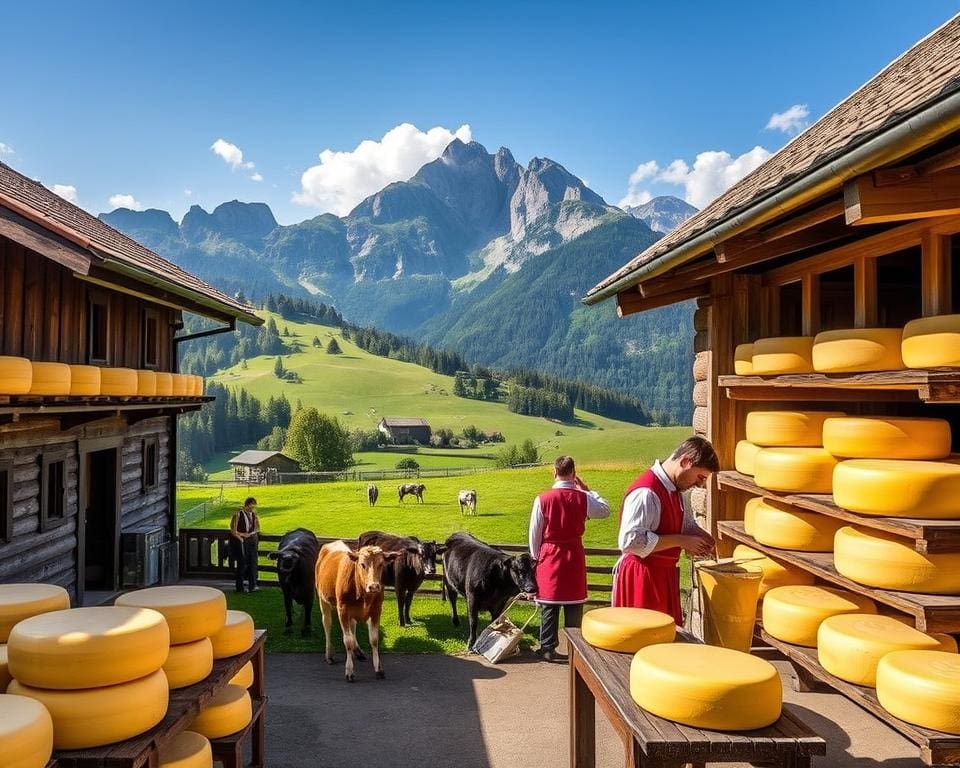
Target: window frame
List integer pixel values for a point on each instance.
(48, 520)
(99, 298)
(147, 316)
(147, 443)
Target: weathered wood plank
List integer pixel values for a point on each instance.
(13, 301)
(33, 309)
(51, 312)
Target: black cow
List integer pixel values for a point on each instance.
(296, 558)
(486, 576)
(406, 573)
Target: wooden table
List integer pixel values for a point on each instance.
(603, 677)
(185, 704)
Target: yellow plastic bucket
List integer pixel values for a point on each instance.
(729, 590)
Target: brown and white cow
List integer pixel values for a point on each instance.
(351, 582)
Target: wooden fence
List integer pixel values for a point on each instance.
(204, 554)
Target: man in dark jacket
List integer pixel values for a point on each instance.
(244, 539)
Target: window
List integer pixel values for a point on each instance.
(150, 469)
(836, 299)
(150, 325)
(899, 292)
(6, 501)
(53, 492)
(791, 309)
(98, 337)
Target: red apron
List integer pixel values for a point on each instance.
(653, 581)
(561, 562)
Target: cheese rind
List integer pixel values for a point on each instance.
(793, 614)
(627, 630)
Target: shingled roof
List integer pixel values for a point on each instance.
(30, 198)
(920, 77)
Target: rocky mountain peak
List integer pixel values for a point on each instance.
(542, 184)
(664, 213)
(246, 222)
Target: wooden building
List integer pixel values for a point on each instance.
(402, 430)
(854, 224)
(76, 472)
(261, 466)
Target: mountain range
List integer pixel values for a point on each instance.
(475, 252)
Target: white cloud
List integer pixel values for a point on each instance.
(712, 173)
(67, 191)
(793, 120)
(636, 196)
(344, 178)
(256, 177)
(126, 201)
(188, 192)
(231, 154)
(5, 149)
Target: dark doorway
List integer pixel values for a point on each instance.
(100, 504)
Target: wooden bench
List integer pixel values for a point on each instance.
(603, 678)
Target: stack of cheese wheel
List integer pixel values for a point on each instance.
(50, 379)
(898, 488)
(783, 355)
(164, 384)
(932, 342)
(84, 380)
(791, 458)
(229, 711)
(921, 687)
(96, 670)
(858, 350)
(26, 732)
(793, 614)
(188, 750)
(705, 686)
(781, 526)
(21, 601)
(743, 360)
(775, 574)
(627, 630)
(16, 375)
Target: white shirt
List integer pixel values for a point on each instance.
(597, 508)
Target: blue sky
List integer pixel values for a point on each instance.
(129, 98)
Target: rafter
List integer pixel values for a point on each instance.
(917, 197)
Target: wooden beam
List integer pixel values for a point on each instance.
(865, 293)
(824, 213)
(935, 274)
(630, 302)
(922, 197)
(31, 235)
(941, 162)
(744, 251)
(810, 304)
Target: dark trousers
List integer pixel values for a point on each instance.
(550, 622)
(245, 554)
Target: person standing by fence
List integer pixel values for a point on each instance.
(557, 523)
(244, 540)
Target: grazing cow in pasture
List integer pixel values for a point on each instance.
(486, 576)
(351, 582)
(412, 489)
(296, 558)
(373, 493)
(468, 501)
(406, 574)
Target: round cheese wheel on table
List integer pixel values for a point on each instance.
(785, 527)
(743, 360)
(788, 429)
(146, 383)
(84, 380)
(5, 676)
(850, 646)
(243, 678)
(706, 687)
(97, 716)
(858, 350)
(181, 384)
(189, 663)
(21, 601)
(893, 488)
(87, 647)
(794, 614)
(782, 355)
(745, 457)
(26, 732)
(885, 437)
(16, 375)
(50, 379)
(188, 750)
(886, 561)
(229, 711)
(921, 687)
(192, 613)
(118, 382)
(795, 470)
(235, 637)
(164, 384)
(627, 629)
(775, 574)
(932, 342)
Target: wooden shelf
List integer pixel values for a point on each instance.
(933, 613)
(936, 748)
(929, 536)
(937, 386)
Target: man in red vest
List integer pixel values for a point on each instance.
(655, 527)
(557, 523)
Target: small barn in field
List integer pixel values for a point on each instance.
(400, 430)
(260, 466)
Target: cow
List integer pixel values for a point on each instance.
(351, 582)
(296, 558)
(468, 500)
(412, 489)
(487, 577)
(373, 493)
(417, 559)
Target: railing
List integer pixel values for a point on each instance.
(205, 554)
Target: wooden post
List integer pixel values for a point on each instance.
(810, 303)
(583, 729)
(721, 412)
(864, 292)
(936, 277)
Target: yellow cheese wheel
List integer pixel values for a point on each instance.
(197, 390)
(229, 711)
(118, 382)
(785, 527)
(797, 429)
(775, 574)
(87, 647)
(181, 384)
(16, 375)
(893, 488)
(98, 716)
(26, 732)
(84, 380)
(189, 663)
(745, 457)
(5, 676)
(191, 612)
(50, 379)
(235, 637)
(743, 360)
(932, 342)
(164, 384)
(921, 687)
(946, 642)
(188, 750)
(627, 629)
(749, 514)
(793, 614)
(795, 470)
(785, 354)
(146, 383)
(883, 560)
(858, 350)
(885, 437)
(706, 687)
(850, 646)
(243, 678)
(21, 601)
